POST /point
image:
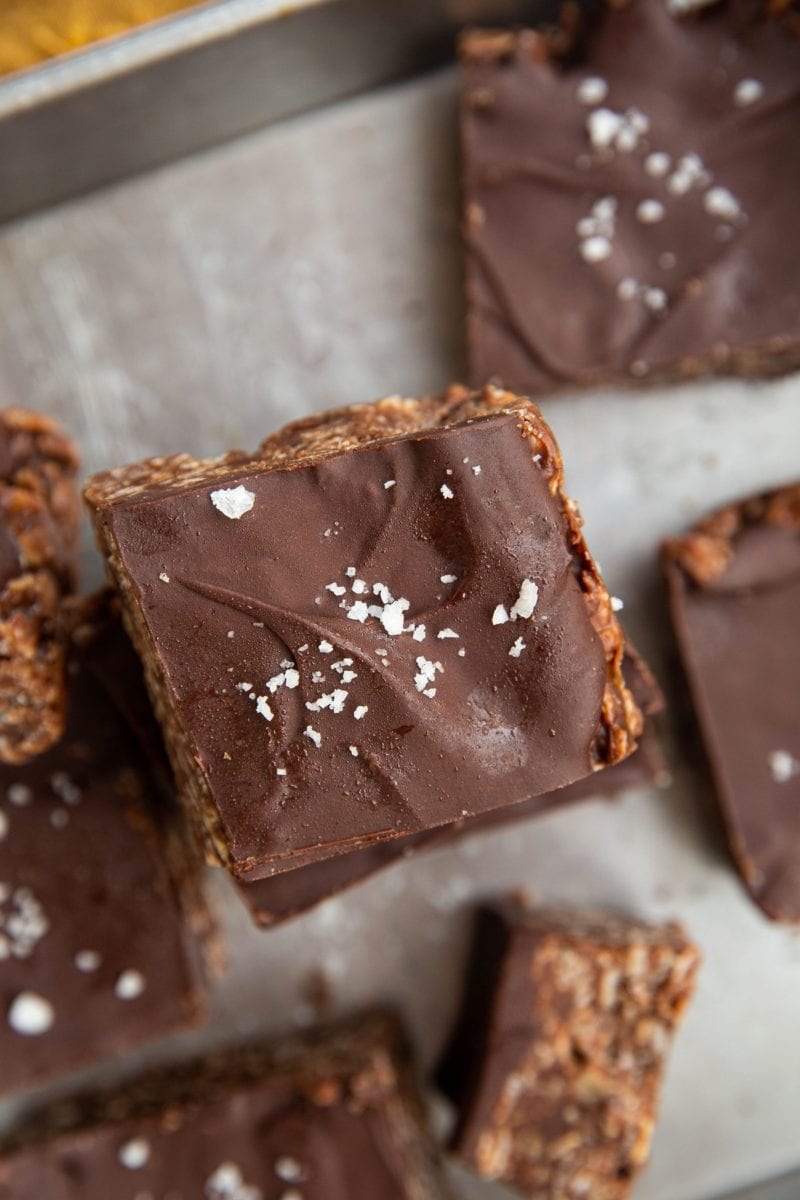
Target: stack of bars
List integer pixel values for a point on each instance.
(428, 649)
(382, 630)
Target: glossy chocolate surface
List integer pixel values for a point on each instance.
(338, 655)
(739, 635)
(96, 954)
(293, 892)
(630, 200)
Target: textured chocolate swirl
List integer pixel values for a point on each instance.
(317, 732)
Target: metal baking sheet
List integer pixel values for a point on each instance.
(205, 74)
(317, 263)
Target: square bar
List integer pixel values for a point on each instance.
(632, 181)
(386, 621)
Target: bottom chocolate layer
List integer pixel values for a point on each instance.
(333, 1116)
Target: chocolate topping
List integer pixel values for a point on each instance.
(734, 588)
(372, 642)
(96, 901)
(630, 190)
(293, 892)
(334, 1118)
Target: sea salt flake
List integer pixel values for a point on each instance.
(280, 771)
(657, 164)
(617, 605)
(719, 202)
(627, 289)
(313, 736)
(390, 483)
(164, 577)
(747, 91)
(476, 470)
(526, 601)
(87, 961)
(336, 589)
(227, 1183)
(350, 572)
(360, 712)
(30, 1014)
(233, 502)
(334, 700)
(359, 587)
(595, 249)
(462, 652)
(782, 765)
(500, 615)
(23, 925)
(292, 678)
(134, 1154)
(275, 682)
(517, 648)
(130, 985)
(448, 578)
(325, 647)
(354, 751)
(446, 492)
(447, 633)
(689, 173)
(358, 612)
(419, 633)
(289, 1169)
(263, 708)
(64, 788)
(19, 794)
(392, 616)
(429, 692)
(603, 125)
(655, 299)
(592, 90)
(245, 687)
(649, 212)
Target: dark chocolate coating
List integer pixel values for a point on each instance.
(556, 1057)
(739, 637)
(242, 596)
(84, 868)
(340, 1122)
(728, 286)
(293, 892)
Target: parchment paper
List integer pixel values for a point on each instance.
(316, 264)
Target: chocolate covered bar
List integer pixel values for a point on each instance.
(293, 892)
(631, 181)
(734, 589)
(38, 526)
(103, 931)
(385, 621)
(556, 1060)
(334, 1116)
